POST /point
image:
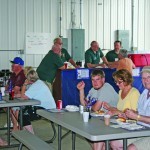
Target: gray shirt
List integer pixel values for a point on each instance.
(106, 93)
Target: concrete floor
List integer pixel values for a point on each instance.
(42, 129)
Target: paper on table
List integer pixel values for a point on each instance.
(56, 110)
(132, 126)
(115, 126)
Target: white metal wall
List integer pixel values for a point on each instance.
(99, 18)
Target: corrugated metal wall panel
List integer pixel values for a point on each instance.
(29, 16)
(128, 19)
(147, 24)
(135, 23)
(100, 23)
(92, 20)
(141, 24)
(12, 24)
(121, 11)
(127, 14)
(101, 18)
(46, 16)
(113, 23)
(21, 24)
(106, 21)
(86, 23)
(38, 7)
(54, 19)
(4, 25)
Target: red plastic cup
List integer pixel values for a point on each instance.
(59, 104)
(66, 65)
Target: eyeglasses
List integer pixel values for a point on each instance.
(119, 82)
(144, 78)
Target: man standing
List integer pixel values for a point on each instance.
(50, 64)
(99, 91)
(64, 53)
(112, 55)
(143, 114)
(93, 55)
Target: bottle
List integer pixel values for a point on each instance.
(0, 95)
(89, 99)
(91, 102)
(11, 91)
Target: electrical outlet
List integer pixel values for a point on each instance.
(21, 51)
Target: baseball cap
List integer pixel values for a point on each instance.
(146, 69)
(18, 60)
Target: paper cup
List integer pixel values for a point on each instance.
(86, 116)
(116, 59)
(3, 91)
(81, 109)
(107, 120)
(66, 65)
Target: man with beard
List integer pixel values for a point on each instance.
(101, 91)
(112, 55)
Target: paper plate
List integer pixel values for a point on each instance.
(96, 114)
(72, 108)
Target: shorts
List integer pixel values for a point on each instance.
(29, 114)
(15, 108)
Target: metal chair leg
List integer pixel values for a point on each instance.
(54, 130)
(20, 146)
(65, 134)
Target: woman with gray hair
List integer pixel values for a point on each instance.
(124, 62)
(38, 90)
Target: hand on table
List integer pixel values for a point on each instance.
(122, 115)
(131, 114)
(106, 105)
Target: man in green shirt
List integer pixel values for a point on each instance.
(112, 55)
(50, 64)
(64, 53)
(93, 55)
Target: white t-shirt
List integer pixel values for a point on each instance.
(144, 106)
(40, 91)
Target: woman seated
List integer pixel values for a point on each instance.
(124, 62)
(38, 90)
(128, 95)
(128, 98)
